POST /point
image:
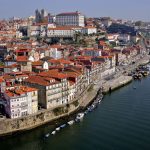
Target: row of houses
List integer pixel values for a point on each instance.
(60, 84)
(51, 30)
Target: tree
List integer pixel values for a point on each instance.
(139, 23)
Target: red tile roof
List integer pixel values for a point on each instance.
(41, 80)
(22, 58)
(53, 74)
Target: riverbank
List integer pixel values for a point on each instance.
(9, 126)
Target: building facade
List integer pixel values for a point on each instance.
(70, 19)
(21, 101)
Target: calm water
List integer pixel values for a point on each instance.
(121, 122)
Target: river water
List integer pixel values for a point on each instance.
(121, 122)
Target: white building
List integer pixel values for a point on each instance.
(60, 32)
(34, 30)
(70, 19)
(55, 53)
(112, 37)
(53, 92)
(21, 101)
(89, 30)
(19, 34)
(92, 52)
(124, 37)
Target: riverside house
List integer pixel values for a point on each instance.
(53, 88)
(20, 101)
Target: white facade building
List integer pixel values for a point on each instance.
(70, 19)
(60, 32)
(124, 37)
(21, 101)
(89, 30)
(55, 53)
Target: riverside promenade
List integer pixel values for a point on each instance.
(114, 82)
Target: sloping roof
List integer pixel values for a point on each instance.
(37, 63)
(53, 74)
(22, 58)
(68, 13)
(40, 80)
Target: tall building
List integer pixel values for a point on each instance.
(40, 15)
(70, 19)
(51, 18)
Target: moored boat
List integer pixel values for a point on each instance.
(47, 135)
(57, 129)
(63, 125)
(71, 122)
(86, 112)
(53, 132)
(80, 116)
(145, 73)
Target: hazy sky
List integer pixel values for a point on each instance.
(126, 9)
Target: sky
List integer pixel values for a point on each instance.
(117, 9)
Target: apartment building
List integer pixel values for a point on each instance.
(53, 88)
(20, 101)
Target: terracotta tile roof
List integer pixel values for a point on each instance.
(22, 58)
(60, 61)
(72, 74)
(37, 63)
(53, 74)
(44, 81)
(1, 79)
(64, 61)
(19, 90)
(56, 46)
(8, 77)
(83, 57)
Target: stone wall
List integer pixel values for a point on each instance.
(116, 83)
(8, 126)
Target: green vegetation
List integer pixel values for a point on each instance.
(60, 110)
(75, 103)
(1, 64)
(123, 29)
(25, 38)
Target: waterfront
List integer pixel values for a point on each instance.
(121, 121)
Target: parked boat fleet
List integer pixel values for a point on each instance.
(79, 117)
(139, 72)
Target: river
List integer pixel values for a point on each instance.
(121, 122)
